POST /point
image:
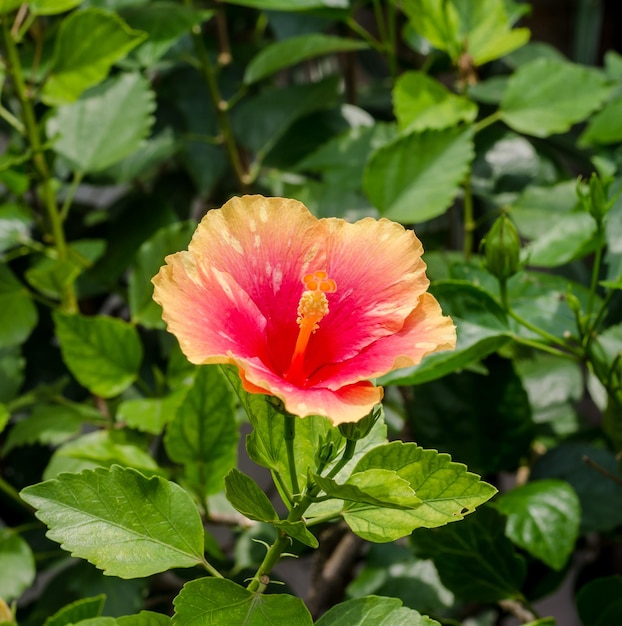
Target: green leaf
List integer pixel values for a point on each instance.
(221, 601)
(600, 602)
(416, 177)
(144, 618)
(576, 91)
(119, 109)
(77, 611)
(543, 517)
(282, 54)
(605, 127)
(150, 415)
(164, 23)
(11, 372)
(372, 611)
(147, 262)
(600, 497)
(128, 525)
(203, 435)
(290, 5)
(299, 531)
(15, 222)
(6, 6)
(482, 329)
(474, 559)
(52, 276)
(52, 7)
(247, 498)
(17, 565)
(103, 353)
(18, 314)
(422, 103)
(87, 44)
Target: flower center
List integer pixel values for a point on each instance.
(312, 307)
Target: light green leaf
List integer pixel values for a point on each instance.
(576, 91)
(18, 314)
(220, 601)
(100, 448)
(372, 611)
(422, 103)
(164, 23)
(52, 7)
(52, 276)
(605, 127)
(120, 109)
(15, 222)
(203, 435)
(77, 611)
(87, 44)
(17, 565)
(5, 416)
(417, 177)
(474, 559)
(103, 353)
(128, 525)
(282, 54)
(543, 517)
(144, 618)
(291, 5)
(6, 6)
(147, 262)
(600, 602)
(247, 498)
(299, 531)
(150, 415)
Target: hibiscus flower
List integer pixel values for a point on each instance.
(309, 310)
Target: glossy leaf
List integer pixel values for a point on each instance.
(371, 611)
(221, 601)
(543, 517)
(120, 108)
(17, 565)
(247, 498)
(422, 103)
(474, 559)
(575, 90)
(605, 127)
(282, 54)
(416, 177)
(128, 525)
(88, 43)
(77, 611)
(103, 353)
(144, 618)
(18, 314)
(150, 415)
(52, 7)
(203, 435)
(600, 602)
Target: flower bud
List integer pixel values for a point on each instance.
(593, 197)
(502, 248)
(358, 430)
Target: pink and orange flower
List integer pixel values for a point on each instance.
(309, 310)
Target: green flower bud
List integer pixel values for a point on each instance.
(593, 197)
(502, 248)
(358, 430)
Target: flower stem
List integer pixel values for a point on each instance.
(31, 128)
(598, 255)
(348, 453)
(469, 219)
(289, 435)
(211, 569)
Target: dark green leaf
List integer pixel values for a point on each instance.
(11, 372)
(204, 434)
(221, 601)
(77, 611)
(282, 54)
(52, 276)
(372, 611)
(86, 46)
(17, 565)
(18, 314)
(600, 602)
(103, 353)
(543, 517)
(15, 222)
(128, 525)
(247, 498)
(474, 559)
(120, 109)
(416, 177)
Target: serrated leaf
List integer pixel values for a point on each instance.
(600, 602)
(416, 177)
(372, 611)
(474, 559)
(247, 498)
(203, 435)
(77, 611)
(422, 103)
(146, 263)
(120, 109)
(221, 601)
(87, 44)
(291, 51)
(103, 353)
(576, 91)
(18, 314)
(17, 565)
(128, 525)
(543, 517)
(299, 531)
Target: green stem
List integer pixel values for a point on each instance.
(544, 347)
(598, 256)
(469, 218)
(364, 34)
(348, 453)
(221, 106)
(289, 435)
(211, 569)
(487, 121)
(71, 192)
(12, 493)
(8, 117)
(69, 302)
